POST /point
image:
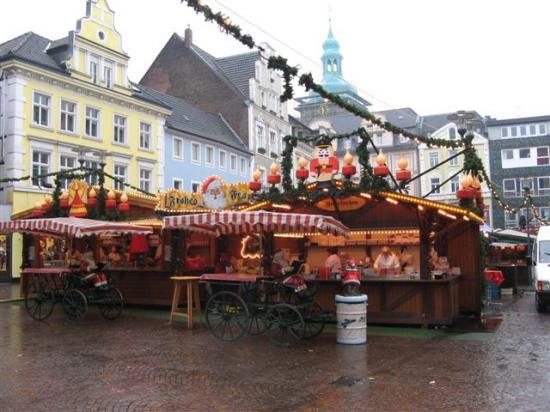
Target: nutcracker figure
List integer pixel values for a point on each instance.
(324, 164)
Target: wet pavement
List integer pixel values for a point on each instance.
(138, 363)
(9, 291)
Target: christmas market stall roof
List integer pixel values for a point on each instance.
(234, 222)
(142, 206)
(71, 226)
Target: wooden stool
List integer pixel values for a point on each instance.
(192, 292)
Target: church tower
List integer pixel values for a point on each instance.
(332, 66)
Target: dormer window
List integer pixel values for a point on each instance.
(452, 133)
(94, 69)
(108, 75)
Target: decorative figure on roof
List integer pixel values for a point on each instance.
(78, 198)
(324, 164)
(213, 193)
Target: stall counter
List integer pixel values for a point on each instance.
(394, 300)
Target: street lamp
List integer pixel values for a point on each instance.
(464, 121)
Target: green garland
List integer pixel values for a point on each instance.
(281, 64)
(286, 163)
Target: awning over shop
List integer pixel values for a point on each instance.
(222, 223)
(71, 226)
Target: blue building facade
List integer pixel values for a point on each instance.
(199, 144)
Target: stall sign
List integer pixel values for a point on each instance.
(343, 204)
(214, 195)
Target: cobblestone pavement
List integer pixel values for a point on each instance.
(138, 363)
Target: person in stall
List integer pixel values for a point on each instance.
(405, 258)
(279, 262)
(333, 262)
(223, 265)
(386, 263)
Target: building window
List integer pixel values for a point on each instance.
(223, 159)
(177, 148)
(41, 109)
(379, 139)
(209, 156)
(91, 164)
(544, 213)
(195, 187)
(120, 129)
(524, 153)
(108, 75)
(508, 154)
(263, 173)
(542, 156)
(67, 121)
(532, 130)
(543, 186)
(145, 136)
(177, 184)
(260, 138)
(434, 184)
(510, 220)
(542, 129)
(233, 163)
(509, 186)
(453, 162)
(243, 166)
(523, 130)
(145, 179)
(40, 166)
(273, 146)
(120, 172)
(195, 152)
(452, 133)
(455, 184)
(434, 159)
(66, 163)
(92, 122)
(514, 131)
(504, 132)
(94, 69)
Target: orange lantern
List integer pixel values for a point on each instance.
(403, 174)
(92, 198)
(255, 184)
(274, 178)
(64, 200)
(38, 210)
(111, 200)
(302, 173)
(124, 206)
(381, 169)
(349, 169)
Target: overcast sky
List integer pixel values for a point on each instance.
(432, 55)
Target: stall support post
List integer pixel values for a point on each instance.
(424, 237)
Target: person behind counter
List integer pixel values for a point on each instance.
(386, 262)
(405, 259)
(333, 262)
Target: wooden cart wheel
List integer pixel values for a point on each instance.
(285, 325)
(227, 316)
(257, 323)
(38, 302)
(75, 305)
(111, 303)
(314, 320)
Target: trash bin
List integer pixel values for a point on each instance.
(351, 319)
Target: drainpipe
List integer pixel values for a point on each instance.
(3, 109)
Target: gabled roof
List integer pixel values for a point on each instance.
(405, 118)
(190, 119)
(434, 122)
(235, 70)
(30, 48)
(240, 69)
(517, 120)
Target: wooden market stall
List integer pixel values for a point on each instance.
(442, 277)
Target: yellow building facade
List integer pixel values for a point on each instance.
(68, 102)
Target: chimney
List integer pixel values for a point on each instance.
(188, 41)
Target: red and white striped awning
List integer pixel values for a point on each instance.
(222, 223)
(71, 226)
